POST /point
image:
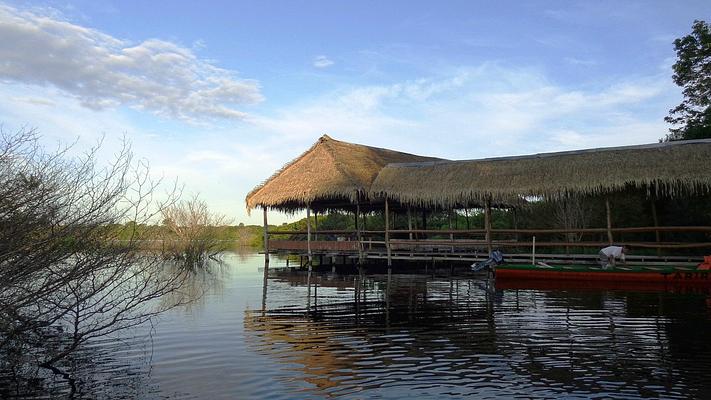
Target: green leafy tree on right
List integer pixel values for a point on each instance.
(692, 72)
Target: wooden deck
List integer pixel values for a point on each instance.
(518, 246)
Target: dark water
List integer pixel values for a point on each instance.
(421, 337)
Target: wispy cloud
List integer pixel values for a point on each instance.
(482, 111)
(580, 61)
(102, 71)
(322, 62)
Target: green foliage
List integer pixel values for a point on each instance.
(692, 72)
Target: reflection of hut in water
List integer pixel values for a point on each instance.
(459, 334)
(339, 345)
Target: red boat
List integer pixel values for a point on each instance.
(700, 275)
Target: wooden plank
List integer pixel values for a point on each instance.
(331, 232)
(314, 245)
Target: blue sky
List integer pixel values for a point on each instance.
(221, 94)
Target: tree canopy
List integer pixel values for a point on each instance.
(692, 72)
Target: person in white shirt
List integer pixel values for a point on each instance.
(610, 254)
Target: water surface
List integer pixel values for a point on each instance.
(417, 337)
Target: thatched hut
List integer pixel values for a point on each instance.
(664, 169)
(335, 175)
(330, 175)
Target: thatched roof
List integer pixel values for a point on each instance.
(330, 171)
(663, 168)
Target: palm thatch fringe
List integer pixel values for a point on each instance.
(668, 169)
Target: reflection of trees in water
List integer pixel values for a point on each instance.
(105, 368)
(122, 358)
(455, 335)
(211, 277)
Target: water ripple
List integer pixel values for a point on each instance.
(416, 337)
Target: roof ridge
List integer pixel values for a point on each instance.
(645, 146)
(327, 142)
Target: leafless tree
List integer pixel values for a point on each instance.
(192, 232)
(572, 212)
(70, 269)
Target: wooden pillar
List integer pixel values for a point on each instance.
(266, 237)
(387, 233)
(308, 291)
(316, 295)
(308, 234)
(424, 223)
(315, 225)
(487, 223)
(265, 281)
(609, 220)
(451, 235)
(308, 250)
(655, 219)
(359, 237)
(409, 228)
(356, 215)
(409, 221)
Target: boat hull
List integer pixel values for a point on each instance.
(683, 275)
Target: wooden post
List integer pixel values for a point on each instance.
(266, 272)
(359, 237)
(356, 214)
(308, 250)
(487, 223)
(315, 225)
(266, 237)
(409, 221)
(655, 218)
(451, 235)
(308, 291)
(609, 220)
(409, 227)
(308, 234)
(387, 233)
(316, 295)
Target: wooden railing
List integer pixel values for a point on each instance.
(318, 245)
(347, 240)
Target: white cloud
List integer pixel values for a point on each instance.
(479, 112)
(105, 72)
(322, 62)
